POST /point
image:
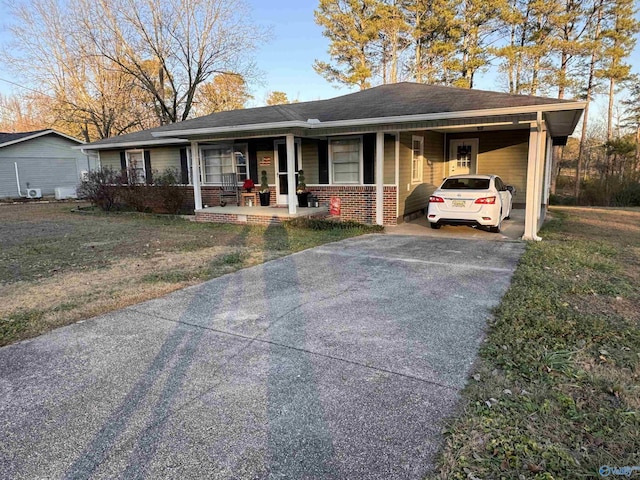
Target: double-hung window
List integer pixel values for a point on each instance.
(135, 165)
(346, 160)
(417, 157)
(220, 159)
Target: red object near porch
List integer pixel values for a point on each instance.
(334, 206)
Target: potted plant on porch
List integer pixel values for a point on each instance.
(264, 189)
(248, 185)
(301, 191)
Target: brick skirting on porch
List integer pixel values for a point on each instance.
(359, 202)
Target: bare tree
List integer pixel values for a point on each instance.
(83, 93)
(171, 47)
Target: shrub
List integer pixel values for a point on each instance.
(170, 194)
(561, 200)
(98, 187)
(628, 196)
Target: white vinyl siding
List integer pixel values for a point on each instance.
(345, 157)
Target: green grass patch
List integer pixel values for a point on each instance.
(174, 276)
(14, 326)
(323, 224)
(556, 391)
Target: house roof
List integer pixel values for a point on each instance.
(387, 103)
(7, 139)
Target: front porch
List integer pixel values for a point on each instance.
(256, 215)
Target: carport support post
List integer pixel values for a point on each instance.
(379, 178)
(195, 176)
(291, 173)
(534, 182)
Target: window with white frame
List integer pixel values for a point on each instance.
(346, 160)
(220, 159)
(417, 158)
(135, 163)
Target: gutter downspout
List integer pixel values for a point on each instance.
(18, 181)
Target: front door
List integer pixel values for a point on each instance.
(463, 155)
(282, 185)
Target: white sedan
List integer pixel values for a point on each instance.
(477, 200)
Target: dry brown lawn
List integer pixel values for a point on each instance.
(58, 266)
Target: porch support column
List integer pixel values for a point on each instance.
(547, 145)
(195, 175)
(379, 177)
(534, 181)
(291, 173)
(548, 164)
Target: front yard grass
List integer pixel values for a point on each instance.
(58, 267)
(556, 393)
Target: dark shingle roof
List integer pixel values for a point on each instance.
(391, 100)
(13, 138)
(10, 137)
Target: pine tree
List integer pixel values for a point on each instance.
(352, 27)
(435, 30)
(594, 47)
(478, 21)
(618, 33)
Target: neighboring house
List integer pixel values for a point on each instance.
(45, 161)
(382, 150)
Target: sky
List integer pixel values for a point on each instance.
(285, 61)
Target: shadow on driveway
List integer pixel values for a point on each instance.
(337, 362)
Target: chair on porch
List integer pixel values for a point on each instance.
(229, 187)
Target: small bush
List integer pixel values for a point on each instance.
(561, 200)
(134, 197)
(170, 194)
(564, 182)
(98, 188)
(628, 196)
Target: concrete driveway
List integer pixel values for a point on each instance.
(511, 229)
(337, 362)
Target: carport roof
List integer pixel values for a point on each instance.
(400, 102)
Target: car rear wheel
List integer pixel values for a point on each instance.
(435, 226)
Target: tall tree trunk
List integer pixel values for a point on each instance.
(612, 86)
(419, 75)
(590, 86)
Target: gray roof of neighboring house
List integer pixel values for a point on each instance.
(393, 100)
(17, 137)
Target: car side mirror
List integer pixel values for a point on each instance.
(512, 189)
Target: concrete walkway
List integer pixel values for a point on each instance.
(337, 362)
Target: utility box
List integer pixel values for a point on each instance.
(63, 193)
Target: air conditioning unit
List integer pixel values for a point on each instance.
(34, 193)
(63, 193)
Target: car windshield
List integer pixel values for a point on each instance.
(465, 184)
